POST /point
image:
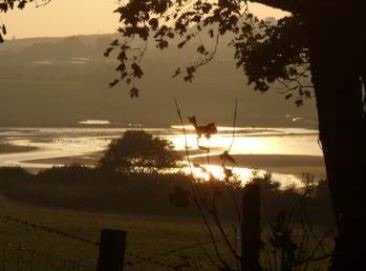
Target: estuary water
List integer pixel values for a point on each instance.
(243, 142)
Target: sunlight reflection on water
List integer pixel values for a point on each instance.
(292, 145)
(66, 142)
(243, 174)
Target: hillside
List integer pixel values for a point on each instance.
(61, 81)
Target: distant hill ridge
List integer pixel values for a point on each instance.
(61, 81)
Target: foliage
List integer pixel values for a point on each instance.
(84, 188)
(290, 243)
(267, 52)
(13, 174)
(139, 151)
(6, 5)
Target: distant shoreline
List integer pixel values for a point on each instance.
(276, 163)
(7, 148)
(282, 164)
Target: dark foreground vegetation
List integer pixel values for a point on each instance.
(290, 224)
(82, 188)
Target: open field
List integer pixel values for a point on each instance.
(78, 201)
(166, 240)
(147, 234)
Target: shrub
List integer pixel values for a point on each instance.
(138, 151)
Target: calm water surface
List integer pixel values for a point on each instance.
(66, 142)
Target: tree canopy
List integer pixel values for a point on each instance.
(267, 52)
(321, 38)
(139, 151)
(326, 39)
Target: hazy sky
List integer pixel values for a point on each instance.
(75, 17)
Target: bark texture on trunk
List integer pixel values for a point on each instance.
(336, 49)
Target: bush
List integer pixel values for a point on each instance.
(138, 151)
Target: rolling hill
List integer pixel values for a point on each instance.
(61, 81)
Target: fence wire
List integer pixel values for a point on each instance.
(24, 257)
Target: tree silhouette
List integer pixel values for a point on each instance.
(321, 38)
(324, 39)
(138, 151)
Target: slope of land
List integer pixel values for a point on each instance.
(61, 81)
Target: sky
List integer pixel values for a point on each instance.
(78, 17)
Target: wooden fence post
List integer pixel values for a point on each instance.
(250, 227)
(112, 250)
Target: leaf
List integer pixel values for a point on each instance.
(177, 72)
(299, 102)
(170, 35)
(307, 94)
(22, 4)
(190, 73)
(4, 29)
(115, 82)
(121, 67)
(288, 96)
(108, 51)
(124, 75)
(201, 49)
(134, 92)
(3, 7)
(162, 44)
(154, 23)
(181, 44)
(115, 42)
(137, 71)
(143, 32)
(225, 156)
(206, 7)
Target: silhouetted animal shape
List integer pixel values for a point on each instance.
(203, 130)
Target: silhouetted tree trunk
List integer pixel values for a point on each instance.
(336, 43)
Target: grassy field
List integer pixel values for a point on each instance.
(166, 240)
(80, 202)
(147, 235)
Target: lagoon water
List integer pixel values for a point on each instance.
(68, 142)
